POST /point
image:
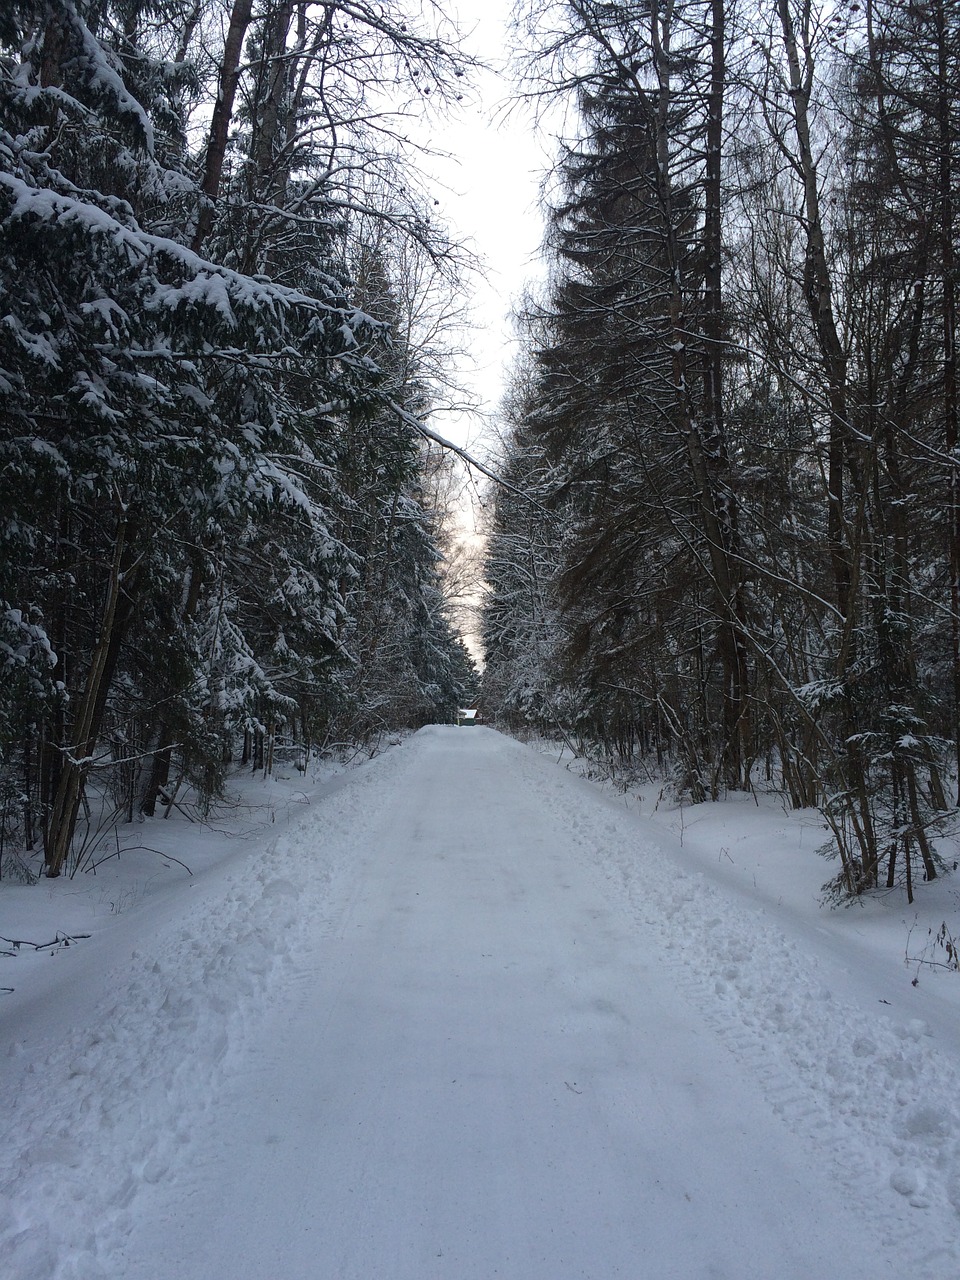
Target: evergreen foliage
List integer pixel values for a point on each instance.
(740, 397)
(195, 395)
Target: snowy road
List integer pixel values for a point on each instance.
(483, 1071)
(445, 1029)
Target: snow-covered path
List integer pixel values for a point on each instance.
(482, 1070)
(465, 1018)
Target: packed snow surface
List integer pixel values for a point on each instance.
(460, 1014)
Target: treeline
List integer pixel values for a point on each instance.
(222, 305)
(733, 536)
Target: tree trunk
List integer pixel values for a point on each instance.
(162, 753)
(951, 413)
(265, 170)
(704, 431)
(89, 714)
(819, 296)
(220, 120)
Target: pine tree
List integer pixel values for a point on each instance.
(177, 391)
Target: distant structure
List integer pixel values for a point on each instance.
(466, 715)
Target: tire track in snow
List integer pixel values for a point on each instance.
(871, 1093)
(120, 1102)
(494, 1077)
(123, 1110)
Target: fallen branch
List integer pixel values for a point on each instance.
(132, 848)
(61, 940)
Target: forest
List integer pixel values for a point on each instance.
(224, 316)
(723, 541)
(728, 543)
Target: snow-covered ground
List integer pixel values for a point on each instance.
(459, 1013)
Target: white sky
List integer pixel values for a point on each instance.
(488, 194)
